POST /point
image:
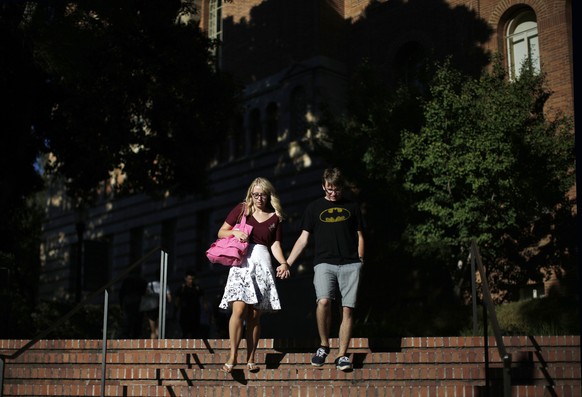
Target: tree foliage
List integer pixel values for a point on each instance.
(133, 87)
(101, 87)
(467, 158)
(488, 165)
(23, 98)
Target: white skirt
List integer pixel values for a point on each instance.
(253, 282)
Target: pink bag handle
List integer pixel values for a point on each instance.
(243, 220)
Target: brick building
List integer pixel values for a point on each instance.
(292, 55)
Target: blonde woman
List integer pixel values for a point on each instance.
(250, 288)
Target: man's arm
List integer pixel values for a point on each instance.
(298, 247)
(361, 245)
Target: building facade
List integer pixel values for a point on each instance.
(293, 55)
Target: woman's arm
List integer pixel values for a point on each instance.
(226, 230)
(283, 268)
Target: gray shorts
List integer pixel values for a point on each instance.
(329, 278)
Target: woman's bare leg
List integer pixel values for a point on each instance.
(253, 332)
(153, 328)
(235, 329)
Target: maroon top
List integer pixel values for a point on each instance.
(265, 233)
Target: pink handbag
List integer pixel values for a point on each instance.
(230, 251)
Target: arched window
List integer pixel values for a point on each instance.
(522, 42)
(298, 122)
(272, 123)
(223, 152)
(255, 129)
(408, 64)
(238, 141)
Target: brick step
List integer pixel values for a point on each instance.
(273, 359)
(402, 366)
(302, 345)
(188, 355)
(304, 390)
(213, 373)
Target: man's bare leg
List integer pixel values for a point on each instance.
(345, 331)
(323, 316)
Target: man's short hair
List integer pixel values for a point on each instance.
(333, 176)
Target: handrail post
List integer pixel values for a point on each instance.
(104, 346)
(474, 292)
(507, 375)
(486, 352)
(163, 298)
(2, 361)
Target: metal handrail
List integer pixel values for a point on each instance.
(489, 312)
(68, 315)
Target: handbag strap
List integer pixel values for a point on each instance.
(243, 219)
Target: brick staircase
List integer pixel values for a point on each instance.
(392, 367)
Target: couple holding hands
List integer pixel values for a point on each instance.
(336, 226)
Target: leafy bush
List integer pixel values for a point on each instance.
(548, 316)
(87, 323)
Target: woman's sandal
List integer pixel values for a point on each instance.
(252, 367)
(227, 368)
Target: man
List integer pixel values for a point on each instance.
(336, 226)
(130, 293)
(187, 299)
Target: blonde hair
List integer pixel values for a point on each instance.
(268, 188)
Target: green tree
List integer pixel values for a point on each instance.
(489, 165)
(454, 158)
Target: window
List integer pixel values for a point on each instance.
(90, 265)
(272, 123)
(239, 138)
(135, 245)
(298, 125)
(97, 266)
(202, 240)
(522, 43)
(409, 63)
(255, 129)
(215, 25)
(168, 241)
(224, 151)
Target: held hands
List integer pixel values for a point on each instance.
(283, 271)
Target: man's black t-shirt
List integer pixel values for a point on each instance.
(334, 226)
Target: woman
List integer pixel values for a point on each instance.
(153, 291)
(250, 288)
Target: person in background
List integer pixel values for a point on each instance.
(130, 293)
(250, 288)
(336, 226)
(187, 300)
(152, 311)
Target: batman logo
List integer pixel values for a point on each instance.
(335, 214)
